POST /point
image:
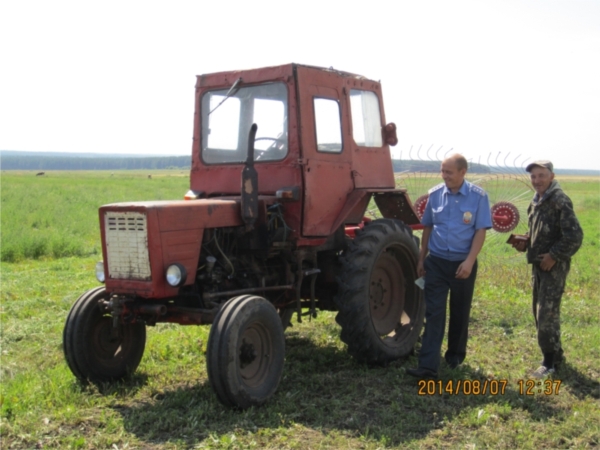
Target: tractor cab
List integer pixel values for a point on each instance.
(321, 141)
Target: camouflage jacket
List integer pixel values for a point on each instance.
(553, 226)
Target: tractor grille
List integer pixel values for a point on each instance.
(127, 245)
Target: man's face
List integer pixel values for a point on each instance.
(453, 177)
(541, 179)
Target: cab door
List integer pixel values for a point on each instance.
(326, 159)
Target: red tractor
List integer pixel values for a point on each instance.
(285, 161)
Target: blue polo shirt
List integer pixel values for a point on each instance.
(455, 218)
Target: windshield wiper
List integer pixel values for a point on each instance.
(232, 91)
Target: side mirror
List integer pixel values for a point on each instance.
(389, 134)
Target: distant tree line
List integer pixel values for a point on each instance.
(411, 165)
(14, 162)
(109, 163)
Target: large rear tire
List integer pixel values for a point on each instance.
(381, 310)
(246, 350)
(94, 350)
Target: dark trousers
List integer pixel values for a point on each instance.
(440, 279)
(548, 288)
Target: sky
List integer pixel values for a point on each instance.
(517, 80)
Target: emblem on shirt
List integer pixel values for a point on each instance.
(467, 217)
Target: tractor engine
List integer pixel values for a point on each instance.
(233, 260)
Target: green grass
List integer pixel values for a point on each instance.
(56, 215)
(325, 399)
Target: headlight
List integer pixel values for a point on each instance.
(100, 272)
(176, 275)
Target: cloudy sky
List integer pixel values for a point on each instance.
(508, 78)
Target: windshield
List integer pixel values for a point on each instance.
(226, 122)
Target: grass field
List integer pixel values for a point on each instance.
(56, 215)
(50, 244)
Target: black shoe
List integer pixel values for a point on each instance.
(421, 372)
(453, 363)
(557, 364)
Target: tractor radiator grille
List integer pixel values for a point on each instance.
(127, 245)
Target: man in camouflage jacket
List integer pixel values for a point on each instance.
(554, 237)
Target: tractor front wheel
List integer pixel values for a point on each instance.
(381, 310)
(246, 349)
(95, 350)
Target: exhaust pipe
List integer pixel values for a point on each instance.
(249, 197)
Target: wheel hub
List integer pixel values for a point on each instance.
(254, 353)
(386, 294)
(106, 339)
(377, 295)
(247, 354)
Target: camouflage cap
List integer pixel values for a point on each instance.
(541, 163)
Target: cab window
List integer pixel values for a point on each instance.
(227, 118)
(366, 119)
(328, 125)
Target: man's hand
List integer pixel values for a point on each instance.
(420, 268)
(520, 246)
(464, 270)
(519, 241)
(546, 262)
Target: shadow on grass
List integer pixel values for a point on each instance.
(510, 396)
(580, 385)
(124, 388)
(326, 392)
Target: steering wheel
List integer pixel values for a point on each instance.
(271, 147)
(277, 139)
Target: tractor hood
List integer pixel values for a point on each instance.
(175, 215)
(140, 240)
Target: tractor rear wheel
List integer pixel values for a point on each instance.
(246, 349)
(381, 310)
(94, 349)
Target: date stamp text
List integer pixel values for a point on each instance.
(487, 387)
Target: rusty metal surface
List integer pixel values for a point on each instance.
(182, 247)
(327, 186)
(211, 295)
(188, 316)
(327, 176)
(178, 215)
(396, 205)
(174, 234)
(133, 310)
(354, 208)
(175, 230)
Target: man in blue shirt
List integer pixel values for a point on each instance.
(456, 218)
